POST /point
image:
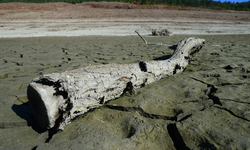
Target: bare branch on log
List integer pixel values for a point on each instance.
(57, 98)
(147, 42)
(141, 37)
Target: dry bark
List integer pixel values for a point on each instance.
(57, 98)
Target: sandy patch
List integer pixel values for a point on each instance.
(115, 19)
(223, 63)
(117, 27)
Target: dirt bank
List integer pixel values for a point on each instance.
(63, 19)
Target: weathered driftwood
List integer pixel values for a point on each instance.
(161, 32)
(57, 98)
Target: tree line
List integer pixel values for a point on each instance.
(243, 6)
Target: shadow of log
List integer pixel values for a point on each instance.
(163, 57)
(24, 111)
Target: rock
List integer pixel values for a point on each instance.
(161, 32)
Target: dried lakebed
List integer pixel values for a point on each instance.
(204, 107)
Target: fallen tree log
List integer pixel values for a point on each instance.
(57, 98)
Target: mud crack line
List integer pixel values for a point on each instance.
(210, 94)
(5, 125)
(234, 101)
(141, 112)
(225, 84)
(176, 137)
(232, 113)
(185, 115)
(216, 100)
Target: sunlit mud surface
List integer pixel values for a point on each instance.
(204, 107)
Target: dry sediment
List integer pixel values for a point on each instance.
(206, 106)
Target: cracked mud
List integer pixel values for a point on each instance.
(204, 107)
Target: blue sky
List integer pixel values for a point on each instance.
(232, 0)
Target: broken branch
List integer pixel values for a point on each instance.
(141, 37)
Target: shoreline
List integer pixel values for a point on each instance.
(117, 27)
(111, 36)
(61, 19)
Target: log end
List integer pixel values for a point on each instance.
(43, 102)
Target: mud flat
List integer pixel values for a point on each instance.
(204, 107)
